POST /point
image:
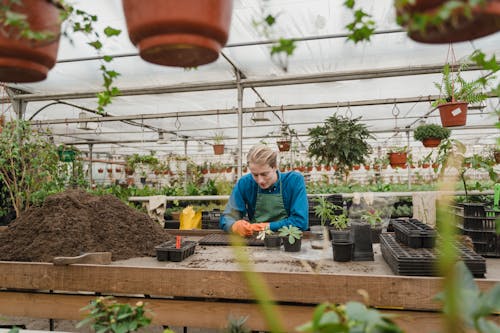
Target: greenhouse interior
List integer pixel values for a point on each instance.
(151, 151)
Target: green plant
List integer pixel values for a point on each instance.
(340, 141)
(218, 137)
(372, 216)
(237, 325)
(340, 221)
(423, 132)
(292, 232)
(362, 27)
(350, 317)
(75, 21)
(264, 233)
(324, 209)
(106, 315)
(29, 165)
(455, 88)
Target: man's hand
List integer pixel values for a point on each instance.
(242, 228)
(260, 226)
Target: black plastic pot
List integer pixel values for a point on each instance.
(295, 247)
(168, 252)
(376, 231)
(143, 180)
(363, 246)
(342, 251)
(340, 235)
(272, 242)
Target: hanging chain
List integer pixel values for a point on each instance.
(177, 123)
(348, 112)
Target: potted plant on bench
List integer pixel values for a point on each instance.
(292, 238)
(271, 239)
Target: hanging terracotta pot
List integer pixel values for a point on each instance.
(431, 142)
(483, 20)
(23, 60)
(185, 33)
(283, 145)
(453, 114)
(218, 149)
(397, 159)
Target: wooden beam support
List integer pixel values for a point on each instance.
(190, 313)
(395, 292)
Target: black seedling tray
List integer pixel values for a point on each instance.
(414, 233)
(404, 260)
(486, 242)
(167, 251)
(223, 240)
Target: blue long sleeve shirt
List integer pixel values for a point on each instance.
(244, 196)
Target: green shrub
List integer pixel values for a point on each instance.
(431, 131)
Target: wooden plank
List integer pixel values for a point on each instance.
(3, 227)
(190, 313)
(400, 292)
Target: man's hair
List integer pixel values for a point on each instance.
(262, 154)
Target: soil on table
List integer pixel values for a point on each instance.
(74, 222)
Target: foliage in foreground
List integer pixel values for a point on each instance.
(106, 315)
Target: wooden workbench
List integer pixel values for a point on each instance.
(208, 287)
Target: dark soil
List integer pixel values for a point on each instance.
(74, 222)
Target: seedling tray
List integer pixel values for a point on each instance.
(223, 240)
(404, 260)
(486, 242)
(414, 233)
(168, 252)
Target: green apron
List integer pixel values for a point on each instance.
(269, 207)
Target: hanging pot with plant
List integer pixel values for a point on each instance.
(186, 33)
(29, 43)
(218, 145)
(458, 93)
(285, 140)
(448, 21)
(398, 157)
(431, 134)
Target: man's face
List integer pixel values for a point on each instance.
(263, 174)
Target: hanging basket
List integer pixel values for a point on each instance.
(66, 155)
(484, 20)
(218, 149)
(186, 33)
(453, 114)
(283, 145)
(22, 60)
(431, 142)
(397, 159)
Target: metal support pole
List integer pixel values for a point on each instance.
(186, 166)
(240, 124)
(91, 147)
(408, 168)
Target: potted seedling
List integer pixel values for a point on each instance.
(271, 239)
(374, 217)
(292, 238)
(324, 210)
(431, 134)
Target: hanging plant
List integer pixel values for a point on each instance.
(284, 142)
(431, 134)
(448, 21)
(218, 143)
(340, 141)
(457, 94)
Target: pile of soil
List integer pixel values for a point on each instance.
(74, 222)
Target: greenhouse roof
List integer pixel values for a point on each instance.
(389, 82)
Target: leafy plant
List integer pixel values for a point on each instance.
(362, 27)
(106, 315)
(264, 233)
(427, 131)
(324, 209)
(237, 325)
(349, 317)
(292, 232)
(29, 165)
(340, 141)
(218, 137)
(340, 221)
(372, 216)
(455, 88)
